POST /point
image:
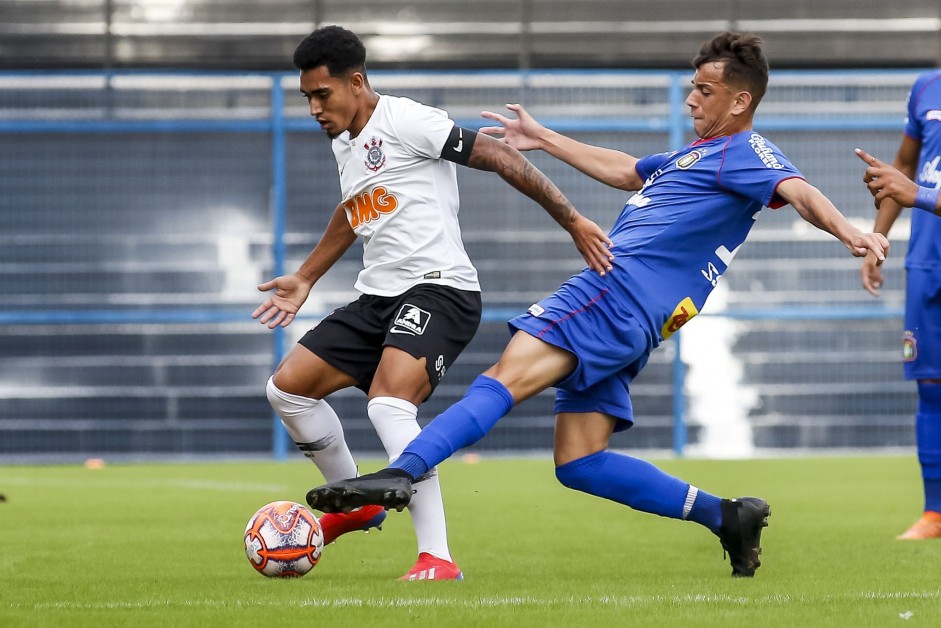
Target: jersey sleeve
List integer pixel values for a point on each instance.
(647, 165)
(423, 130)
(913, 122)
(754, 167)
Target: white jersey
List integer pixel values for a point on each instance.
(402, 199)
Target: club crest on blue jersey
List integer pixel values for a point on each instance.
(909, 347)
(686, 161)
(375, 158)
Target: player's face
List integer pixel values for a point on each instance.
(333, 99)
(712, 103)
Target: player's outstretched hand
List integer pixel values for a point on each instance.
(885, 181)
(871, 274)
(593, 243)
(280, 308)
(522, 133)
(874, 244)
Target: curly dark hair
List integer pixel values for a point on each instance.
(745, 64)
(333, 46)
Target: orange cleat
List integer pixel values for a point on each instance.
(928, 527)
(338, 524)
(431, 567)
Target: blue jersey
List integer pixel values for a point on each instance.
(924, 125)
(678, 234)
(672, 242)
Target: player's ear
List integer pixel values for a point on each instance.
(357, 81)
(741, 103)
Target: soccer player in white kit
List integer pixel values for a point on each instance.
(420, 303)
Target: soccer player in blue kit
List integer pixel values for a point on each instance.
(671, 243)
(914, 182)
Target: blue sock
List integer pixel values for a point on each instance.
(933, 495)
(928, 431)
(461, 425)
(640, 485)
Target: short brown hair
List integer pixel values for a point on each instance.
(745, 64)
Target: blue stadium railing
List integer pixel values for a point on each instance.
(675, 123)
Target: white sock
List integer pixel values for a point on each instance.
(316, 429)
(396, 424)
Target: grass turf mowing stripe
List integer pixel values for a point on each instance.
(630, 601)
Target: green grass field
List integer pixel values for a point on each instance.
(161, 545)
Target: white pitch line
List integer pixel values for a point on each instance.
(489, 602)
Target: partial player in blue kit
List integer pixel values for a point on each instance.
(914, 182)
(671, 244)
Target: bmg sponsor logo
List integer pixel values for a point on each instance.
(369, 206)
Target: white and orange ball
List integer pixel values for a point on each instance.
(283, 540)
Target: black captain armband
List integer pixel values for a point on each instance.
(459, 145)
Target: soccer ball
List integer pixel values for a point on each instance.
(283, 540)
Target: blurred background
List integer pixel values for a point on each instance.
(506, 34)
(157, 162)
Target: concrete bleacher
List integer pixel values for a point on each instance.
(832, 382)
(87, 389)
(189, 389)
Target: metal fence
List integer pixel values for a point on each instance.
(138, 210)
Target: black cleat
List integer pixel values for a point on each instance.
(383, 488)
(740, 533)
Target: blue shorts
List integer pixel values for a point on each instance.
(585, 318)
(921, 344)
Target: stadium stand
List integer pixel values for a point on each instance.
(245, 34)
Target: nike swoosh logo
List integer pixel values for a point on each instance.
(460, 141)
(396, 330)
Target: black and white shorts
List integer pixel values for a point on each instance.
(428, 321)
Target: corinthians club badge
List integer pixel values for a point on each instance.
(375, 158)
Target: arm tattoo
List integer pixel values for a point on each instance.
(519, 172)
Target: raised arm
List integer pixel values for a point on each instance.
(608, 166)
(817, 209)
(291, 291)
(590, 240)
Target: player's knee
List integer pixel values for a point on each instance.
(929, 398)
(568, 477)
(930, 468)
(395, 422)
(928, 429)
(579, 474)
(287, 405)
(929, 445)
